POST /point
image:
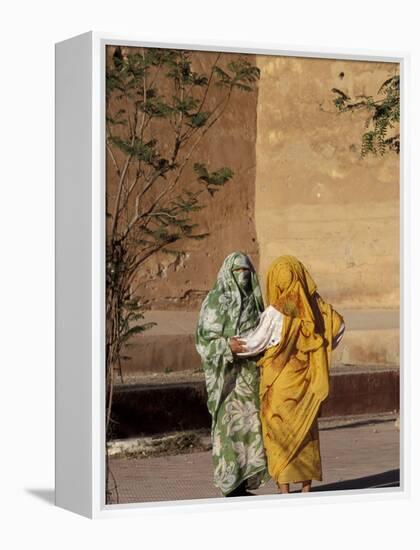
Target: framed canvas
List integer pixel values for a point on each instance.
(230, 285)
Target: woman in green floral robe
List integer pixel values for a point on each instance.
(233, 308)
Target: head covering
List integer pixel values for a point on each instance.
(292, 290)
(228, 293)
(290, 286)
(239, 260)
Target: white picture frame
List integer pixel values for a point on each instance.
(80, 274)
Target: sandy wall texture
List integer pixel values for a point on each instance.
(315, 197)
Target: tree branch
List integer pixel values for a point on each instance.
(114, 162)
(187, 158)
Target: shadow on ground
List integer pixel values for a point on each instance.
(47, 495)
(391, 478)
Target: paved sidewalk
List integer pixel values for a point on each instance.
(352, 457)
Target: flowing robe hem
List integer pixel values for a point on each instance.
(312, 410)
(263, 481)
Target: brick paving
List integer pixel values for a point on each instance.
(352, 457)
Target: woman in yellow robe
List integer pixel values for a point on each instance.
(295, 374)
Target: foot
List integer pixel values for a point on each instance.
(240, 491)
(284, 488)
(306, 486)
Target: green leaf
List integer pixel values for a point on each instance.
(185, 105)
(223, 77)
(155, 107)
(219, 177)
(198, 120)
(138, 149)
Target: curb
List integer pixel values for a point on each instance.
(145, 409)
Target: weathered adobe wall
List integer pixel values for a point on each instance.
(315, 198)
(298, 178)
(228, 217)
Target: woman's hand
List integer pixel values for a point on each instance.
(237, 345)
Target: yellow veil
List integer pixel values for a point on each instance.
(309, 325)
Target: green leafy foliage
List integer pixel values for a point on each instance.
(198, 120)
(239, 74)
(381, 133)
(155, 106)
(214, 180)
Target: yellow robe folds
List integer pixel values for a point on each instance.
(295, 373)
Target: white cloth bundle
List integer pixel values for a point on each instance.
(265, 335)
